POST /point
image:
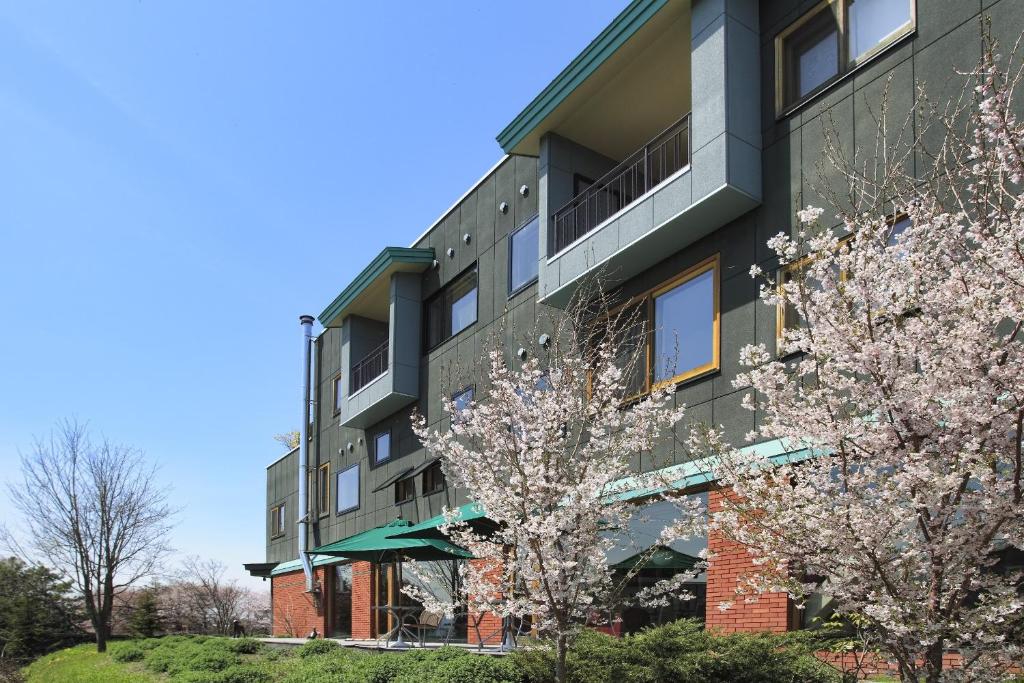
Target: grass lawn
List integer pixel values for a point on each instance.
(82, 664)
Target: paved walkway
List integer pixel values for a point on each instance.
(378, 645)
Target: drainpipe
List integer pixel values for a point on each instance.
(307, 343)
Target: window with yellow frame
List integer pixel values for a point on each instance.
(831, 39)
(675, 333)
(787, 317)
(323, 483)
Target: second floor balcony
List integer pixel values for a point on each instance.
(379, 316)
(638, 174)
(648, 141)
(368, 368)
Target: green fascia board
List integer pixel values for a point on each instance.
(296, 565)
(374, 270)
(697, 472)
(582, 67)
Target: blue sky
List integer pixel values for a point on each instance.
(180, 180)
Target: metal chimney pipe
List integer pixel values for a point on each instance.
(307, 343)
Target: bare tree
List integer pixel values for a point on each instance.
(216, 602)
(94, 513)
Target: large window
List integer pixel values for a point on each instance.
(453, 309)
(523, 247)
(324, 488)
(277, 521)
(832, 38)
(382, 447)
(685, 325)
(348, 489)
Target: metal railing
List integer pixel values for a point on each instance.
(373, 365)
(637, 174)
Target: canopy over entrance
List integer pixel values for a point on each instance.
(382, 545)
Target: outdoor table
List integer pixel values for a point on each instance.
(398, 632)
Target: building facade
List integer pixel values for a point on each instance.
(668, 152)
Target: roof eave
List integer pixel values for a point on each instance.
(377, 266)
(628, 22)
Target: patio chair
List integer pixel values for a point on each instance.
(426, 622)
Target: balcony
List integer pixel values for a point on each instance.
(641, 172)
(626, 176)
(372, 366)
(379, 316)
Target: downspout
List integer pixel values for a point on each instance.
(307, 343)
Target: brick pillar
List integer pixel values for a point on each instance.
(362, 600)
(490, 623)
(730, 561)
(296, 612)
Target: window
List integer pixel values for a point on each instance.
(405, 490)
(324, 488)
(453, 309)
(522, 255)
(433, 479)
(277, 521)
(831, 39)
(460, 402)
(382, 447)
(685, 325)
(337, 394)
(348, 489)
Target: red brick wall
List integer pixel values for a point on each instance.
(362, 600)
(296, 612)
(489, 623)
(730, 561)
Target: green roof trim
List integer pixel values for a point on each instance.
(296, 565)
(696, 472)
(586, 63)
(380, 263)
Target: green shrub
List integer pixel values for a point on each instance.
(681, 651)
(244, 646)
(127, 652)
(317, 647)
(474, 669)
(245, 673)
(378, 669)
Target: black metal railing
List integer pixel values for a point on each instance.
(373, 365)
(640, 172)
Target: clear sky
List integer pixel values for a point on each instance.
(180, 180)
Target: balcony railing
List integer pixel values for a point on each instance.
(642, 171)
(372, 366)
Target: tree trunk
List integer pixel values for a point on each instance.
(933, 662)
(101, 636)
(561, 648)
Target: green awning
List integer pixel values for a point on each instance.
(296, 565)
(660, 558)
(380, 545)
(472, 513)
(696, 472)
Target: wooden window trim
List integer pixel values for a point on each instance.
(323, 473)
(402, 485)
(711, 264)
(276, 515)
(440, 293)
(847, 66)
(797, 264)
(646, 299)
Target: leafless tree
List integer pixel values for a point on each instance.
(216, 602)
(94, 512)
